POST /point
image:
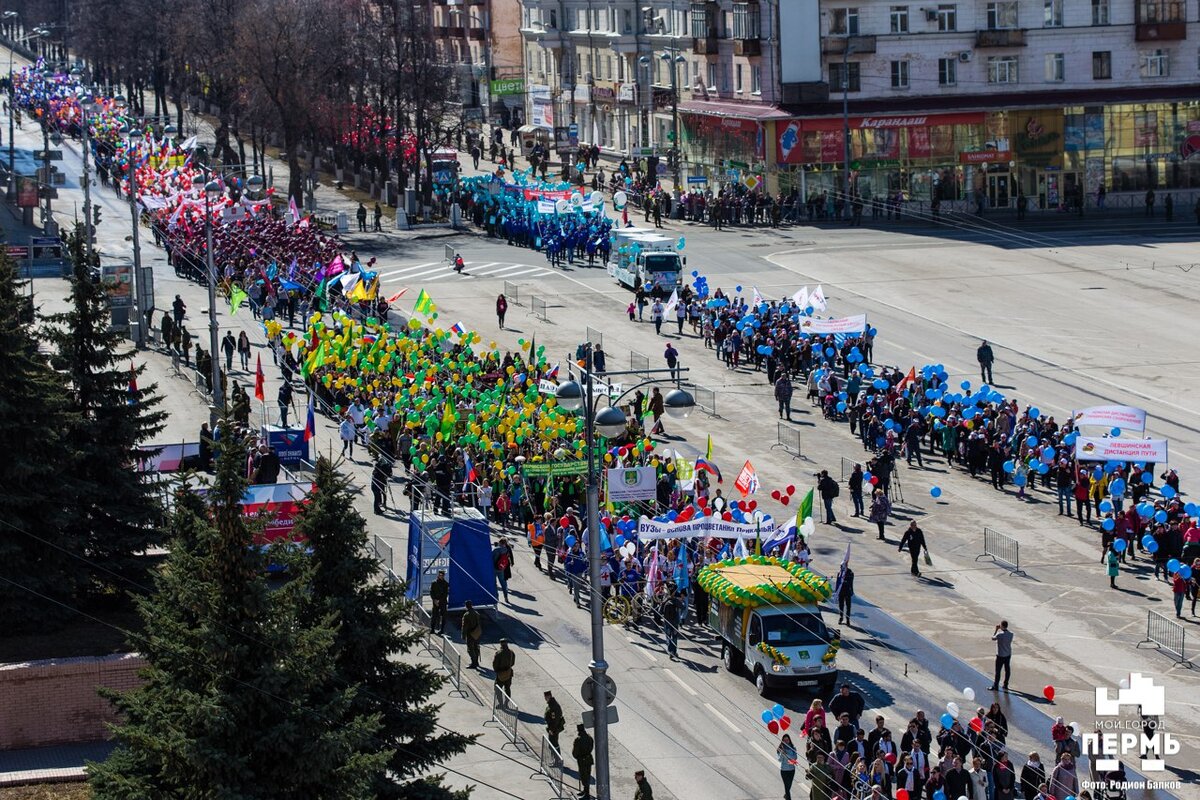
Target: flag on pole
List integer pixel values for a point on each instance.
(457, 329)
(758, 298)
(708, 449)
(709, 467)
(133, 390)
(397, 296)
(310, 424)
(805, 510)
(800, 298)
(739, 548)
(294, 210)
(260, 381)
(424, 304)
(841, 576)
(669, 308)
(236, 296)
(817, 299)
(911, 377)
(747, 479)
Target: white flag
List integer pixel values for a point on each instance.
(758, 298)
(188, 143)
(669, 308)
(817, 299)
(739, 548)
(800, 298)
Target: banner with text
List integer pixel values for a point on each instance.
(638, 483)
(855, 324)
(1154, 450)
(1124, 417)
(705, 528)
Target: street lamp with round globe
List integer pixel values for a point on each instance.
(610, 422)
(678, 404)
(570, 395)
(255, 184)
(212, 190)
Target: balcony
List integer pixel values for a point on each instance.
(706, 45)
(1009, 37)
(836, 45)
(747, 47)
(478, 34)
(1175, 31)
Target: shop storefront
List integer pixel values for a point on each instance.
(1054, 157)
(724, 142)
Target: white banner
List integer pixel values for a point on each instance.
(637, 483)
(1087, 449)
(1124, 417)
(704, 528)
(856, 324)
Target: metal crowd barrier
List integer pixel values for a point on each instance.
(638, 362)
(595, 337)
(505, 714)
(550, 766)
(385, 554)
(537, 307)
(1167, 635)
(1002, 549)
(706, 399)
(788, 438)
(452, 662)
(512, 292)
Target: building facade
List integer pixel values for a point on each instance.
(477, 36)
(994, 99)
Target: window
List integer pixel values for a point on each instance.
(899, 74)
(756, 79)
(746, 21)
(1053, 16)
(627, 21)
(947, 71)
(712, 76)
(1156, 64)
(1100, 12)
(851, 82)
(699, 21)
(737, 79)
(1002, 69)
(553, 20)
(899, 19)
(947, 17)
(1101, 65)
(845, 22)
(1160, 11)
(1055, 67)
(1002, 15)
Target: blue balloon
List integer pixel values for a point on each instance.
(672, 514)
(1173, 565)
(767, 716)
(695, 273)
(1190, 509)
(939, 795)
(1185, 572)
(1009, 466)
(738, 289)
(1070, 438)
(841, 406)
(1108, 524)
(570, 541)
(1147, 478)
(936, 491)
(1167, 491)
(866, 476)
(620, 540)
(1151, 546)
(778, 711)
(1043, 468)
(947, 721)
(1034, 413)
(1145, 510)
(1115, 432)
(966, 385)
(1117, 487)
(1119, 545)
(680, 244)
(1032, 441)
(888, 425)
(1160, 516)
(1106, 506)
(938, 411)
(1020, 480)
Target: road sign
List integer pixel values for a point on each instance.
(697, 179)
(589, 717)
(44, 241)
(48, 192)
(47, 155)
(751, 182)
(587, 692)
(17, 252)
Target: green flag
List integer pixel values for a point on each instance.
(236, 296)
(424, 304)
(805, 510)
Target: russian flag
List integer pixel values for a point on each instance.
(469, 475)
(457, 329)
(310, 424)
(553, 373)
(710, 467)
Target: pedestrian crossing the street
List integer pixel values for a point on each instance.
(474, 271)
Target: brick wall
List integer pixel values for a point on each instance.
(53, 702)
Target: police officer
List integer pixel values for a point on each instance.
(555, 721)
(472, 632)
(502, 665)
(439, 593)
(581, 751)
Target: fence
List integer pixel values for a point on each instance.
(537, 307)
(1167, 635)
(512, 292)
(452, 662)
(1002, 549)
(383, 551)
(550, 766)
(706, 399)
(505, 714)
(638, 363)
(595, 337)
(788, 439)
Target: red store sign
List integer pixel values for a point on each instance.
(789, 135)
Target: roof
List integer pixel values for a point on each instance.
(751, 111)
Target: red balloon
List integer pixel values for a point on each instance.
(890, 758)
(773, 726)
(902, 794)
(727, 516)
(775, 495)
(702, 502)
(791, 489)
(785, 499)
(708, 512)
(1048, 693)
(874, 480)
(976, 724)
(753, 505)
(785, 723)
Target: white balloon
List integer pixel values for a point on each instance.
(620, 199)
(969, 693)
(1074, 727)
(562, 206)
(952, 707)
(1124, 684)
(576, 199)
(596, 198)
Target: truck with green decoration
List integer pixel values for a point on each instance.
(767, 613)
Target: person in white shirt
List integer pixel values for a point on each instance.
(347, 432)
(484, 499)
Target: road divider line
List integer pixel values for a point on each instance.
(407, 269)
(681, 682)
(723, 718)
(638, 646)
(511, 270)
(763, 750)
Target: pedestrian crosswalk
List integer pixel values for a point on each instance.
(474, 271)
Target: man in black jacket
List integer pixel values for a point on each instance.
(914, 541)
(986, 358)
(828, 489)
(855, 484)
(958, 781)
(847, 701)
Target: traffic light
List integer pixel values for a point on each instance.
(95, 214)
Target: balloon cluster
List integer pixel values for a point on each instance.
(699, 282)
(776, 719)
(784, 496)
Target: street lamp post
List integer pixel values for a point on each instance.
(86, 104)
(608, 422)
(134, 138)
(673, 58)
(846, 51)
(49, 137)
(212, 191)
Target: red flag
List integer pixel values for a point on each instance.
(911, 377)
(260, 381)
(132, 383)
(391, 300)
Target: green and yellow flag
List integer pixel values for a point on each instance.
(424, 303)
(236, 296)
(805, 510)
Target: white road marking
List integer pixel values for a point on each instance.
(763, 750)
(477, 267)
(681, 682)
(637, 646)
(723, 718)
(538, 270)
(407, 269)
(510, 270)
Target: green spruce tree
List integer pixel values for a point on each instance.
(241, 699)
(342, 581)
(113, 509)
(40, 564)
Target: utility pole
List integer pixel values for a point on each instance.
(846, 51)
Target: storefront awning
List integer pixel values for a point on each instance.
(747, 111)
